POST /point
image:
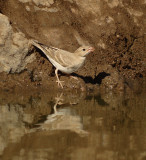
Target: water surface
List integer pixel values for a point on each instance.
(72, 126)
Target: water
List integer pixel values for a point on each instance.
(72, 126)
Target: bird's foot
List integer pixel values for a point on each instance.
(60, 83)
(73, 77)
(59, 99)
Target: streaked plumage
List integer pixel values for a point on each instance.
(64, 61)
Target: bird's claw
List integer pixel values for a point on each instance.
(59, 99)
(59, 83)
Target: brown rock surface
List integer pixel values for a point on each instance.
(114, 28)
(13, 48)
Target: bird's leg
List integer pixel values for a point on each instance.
(58, 81)
(54, 108)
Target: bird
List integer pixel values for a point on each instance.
(64, 61)
(61, 119)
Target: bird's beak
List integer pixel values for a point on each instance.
(91, 49)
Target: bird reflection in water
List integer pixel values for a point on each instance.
(63, 119)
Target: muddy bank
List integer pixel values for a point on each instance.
(114, 28)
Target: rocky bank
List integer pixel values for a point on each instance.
(114, 27)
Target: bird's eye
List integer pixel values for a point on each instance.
(84, 49)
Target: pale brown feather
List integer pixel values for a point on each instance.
(62, 57)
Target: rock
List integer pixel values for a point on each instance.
(45, 3)
(13, 48)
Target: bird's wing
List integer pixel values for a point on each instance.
(62, 57)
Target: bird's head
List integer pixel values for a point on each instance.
(84, 51)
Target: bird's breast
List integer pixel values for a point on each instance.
(72, 68)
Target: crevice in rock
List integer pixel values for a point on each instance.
(31, 51)
(132, 43)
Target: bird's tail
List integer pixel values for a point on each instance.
(34, 42)
(37, 44)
